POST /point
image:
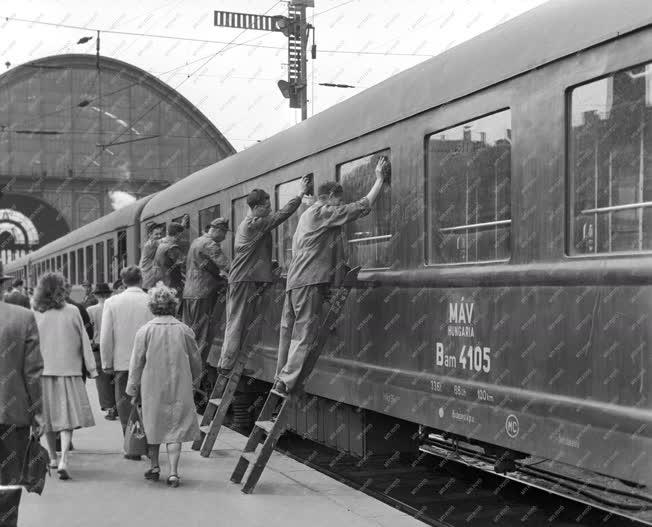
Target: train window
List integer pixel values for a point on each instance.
(239, 211)
(468, 198)
(110, 261)
(99, 261)
(64, 266)
(90, 264)
(122, 251)
(53, 265)
(59, 268)
(284, 193)
(206, 216)
(610, 174)
(73, 268)
(368, 238)
(185, 221)
(80, 266)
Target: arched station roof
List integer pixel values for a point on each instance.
(137, 76)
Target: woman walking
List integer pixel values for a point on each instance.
(65, 348)
(165, 364)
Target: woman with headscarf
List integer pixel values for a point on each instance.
(65, 348)
(165, 364)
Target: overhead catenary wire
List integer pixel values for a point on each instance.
(209, 41)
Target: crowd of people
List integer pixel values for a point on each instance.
(147, 340)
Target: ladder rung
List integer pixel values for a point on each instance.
(266, 425)
(249, 456)
(217, 401)
(278, 394)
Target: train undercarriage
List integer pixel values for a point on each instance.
(596, 491)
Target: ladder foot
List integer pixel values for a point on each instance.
(239, 470)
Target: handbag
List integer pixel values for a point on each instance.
(35, 465)
(135, 443)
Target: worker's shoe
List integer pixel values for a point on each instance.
(111, 414)
(280, 388)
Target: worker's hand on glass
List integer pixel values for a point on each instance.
(306, 185)
(382, 168)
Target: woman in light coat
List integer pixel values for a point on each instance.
(65, 348)
(165, 364)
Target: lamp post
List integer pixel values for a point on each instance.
(85, 102)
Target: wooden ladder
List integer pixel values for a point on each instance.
(226, 385)
(272, 428)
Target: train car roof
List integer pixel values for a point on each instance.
(123, 217)
(547, 33)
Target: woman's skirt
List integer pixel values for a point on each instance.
(65, 404)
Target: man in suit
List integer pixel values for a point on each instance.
(89, 298)
(204, 296)
(123, 315)
(20, 397)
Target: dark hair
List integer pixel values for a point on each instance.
(117, 284)
(131, 275)
(17, 299)
(257, 197)
(50, 292)
(17, 283)
(175, 228)
(330, 187)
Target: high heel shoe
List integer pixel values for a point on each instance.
(63, 474)
(173, 480)
(153, 474)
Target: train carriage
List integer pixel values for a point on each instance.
(506, 276)
(95, 252)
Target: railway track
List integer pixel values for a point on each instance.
(441, 492)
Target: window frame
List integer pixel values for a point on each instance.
(427, 253)
(569, 186)
(72, 262)
(277, 232)
(89, 270)
(100, 259)
(234, 225)
(81, 270)
(110, 260)
(64, 266)
(200, 226)
(391, 222)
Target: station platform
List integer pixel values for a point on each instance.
(108, 490)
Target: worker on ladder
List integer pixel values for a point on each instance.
(251, 267)
(204, 296)
(318, 261)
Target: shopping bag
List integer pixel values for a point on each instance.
(135, 441)
(35, 465)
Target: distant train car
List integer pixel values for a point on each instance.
(508, 263)
(95, 252)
